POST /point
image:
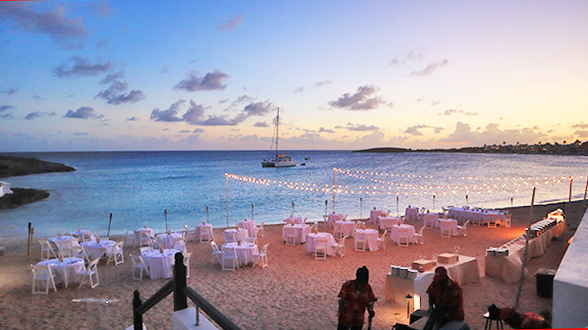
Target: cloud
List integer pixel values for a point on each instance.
(361, 100)
(115, 94)
(198, 130)
(582, 134)
(299, 89)
(492, 134)
(9, 91)
(37, 114)
(4, 111)
(261, 124)
(232, 23)
(450, 112)
(325, 130)
(80, 134)
(5, 107)
(164, 69)
(323, 83)
(429, 69)
(64, 31)
(81, 66)
(580, 125)
(168, 115)
(211, 81)
(360, 127)
(133, 118)
(83, 113)
(415, 54)
(415, 130)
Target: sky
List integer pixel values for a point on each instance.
(346, 75)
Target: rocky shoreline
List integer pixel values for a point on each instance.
(17, 166)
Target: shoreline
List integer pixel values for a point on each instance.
(293, 290)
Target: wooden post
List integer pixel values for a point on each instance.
(29, 240)
(252, 212)
(180, 298)
(360, 208)
(137, 318)
(227, 176)
(109, 222)
(165, 214)
(334, 187)
(526, 251)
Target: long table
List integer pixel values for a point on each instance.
(507, 268)
(464, 271)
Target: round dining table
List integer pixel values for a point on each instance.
(347, 226)
(239, 234)
(245, 251)
(331, 243)
(302, 231)
(160, 264)
(65, 271)
(249, 225)
(371, 237)
(168, 241)
(204, 228)
(397, 228)
(98, 250)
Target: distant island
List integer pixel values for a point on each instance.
(576, 148)
(16, 166)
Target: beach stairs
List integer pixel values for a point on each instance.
(185, 319)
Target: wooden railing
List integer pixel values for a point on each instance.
(177, 285)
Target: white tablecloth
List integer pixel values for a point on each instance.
(334, 217)
(431, 220)
(301, 232)
(80, 233)
(374, 214)
(168, 240)
(348, 227)
(249, 225)
(240, 234)
(160, 265)
(66, 271)
(469, 213)
(508, 268)
(294, 220)
(245, 251)
(61, 242)
(451, 223)
(331, 243)
(204, 227)
(98, 250)
(371, 237)
(395, 229)
(387, 222)
(412, 213)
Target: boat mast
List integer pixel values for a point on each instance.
(277, 133)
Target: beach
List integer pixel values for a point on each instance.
(294, 291)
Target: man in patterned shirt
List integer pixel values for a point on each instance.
(355, 296)
(445, 300)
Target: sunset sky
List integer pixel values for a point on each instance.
(209, 75)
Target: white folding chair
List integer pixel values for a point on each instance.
(140, 266)
(229, 258)
(403, 237)
(261, 256)
(204, 235)
(116, 254)
(492, 221)
(42, 274)
(382, 240)
(320, 248)
(360, 241)
(216, 253)
(145, 239)
(419, 236)
(341, 247)
(290, 235)
(338, 232)
(90, 274)
(130, 239)
(506, 223)
(47, 250)
(190, 234)
(463, 230)
(187, 256)
(445, 229)
(260, 229)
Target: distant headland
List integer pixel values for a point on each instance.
(15, 166)
(576, 148)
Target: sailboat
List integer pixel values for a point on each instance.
(279, 160)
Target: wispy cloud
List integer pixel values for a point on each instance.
(169, 115)
(415, 54)
(323, 83)
(450, 112)
(415, 130)
(210, 81)
(83, 113)
(4, 111)
(360, 128)
(80, 66)
(326, 130)
(492, 133)
(37, 114)
(261, 124)
(362, 100)
(232, 23)
(9, 91)
(64, 31)
(429, 69)
(115, 94)
(580, 125)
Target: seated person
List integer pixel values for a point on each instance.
(523, 321)
(445, 300)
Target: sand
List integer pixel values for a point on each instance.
(293, 292)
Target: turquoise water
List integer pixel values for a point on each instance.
(136, 187)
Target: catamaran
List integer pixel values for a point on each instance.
(279, 160)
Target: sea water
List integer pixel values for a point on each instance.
(170, 189)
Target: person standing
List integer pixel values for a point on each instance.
(354, 298)
(445, 300)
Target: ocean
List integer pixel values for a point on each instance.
(170, 189)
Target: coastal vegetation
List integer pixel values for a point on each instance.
(575, 148)
(17, 166)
